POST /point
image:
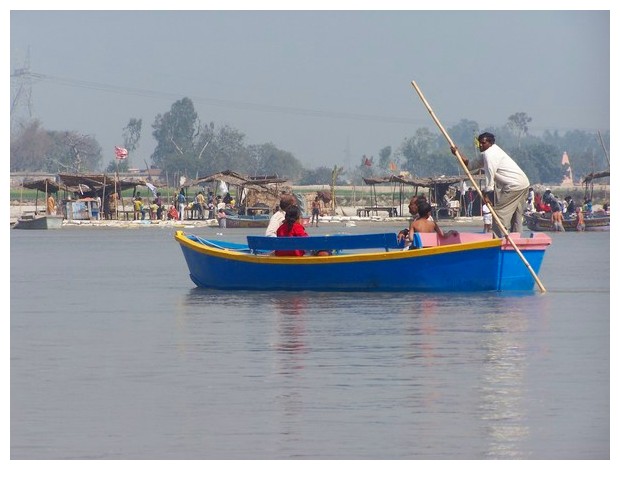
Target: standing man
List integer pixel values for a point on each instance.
(504, 176)
(51, 205)
(181, 202)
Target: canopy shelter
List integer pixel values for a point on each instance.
(437, 186)
(249, 190)
(588, 181)
(98, 184)
(46, 186)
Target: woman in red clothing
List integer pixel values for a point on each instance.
(291, 228)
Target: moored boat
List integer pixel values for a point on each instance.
(539, 222)
(39, 222)
(369, 262)
(246, 221)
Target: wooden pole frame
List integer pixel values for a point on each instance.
(471, 178)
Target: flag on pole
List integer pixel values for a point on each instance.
(121, 153)
(152, 188)
(367, 161)
(392, 166)
(223, 187)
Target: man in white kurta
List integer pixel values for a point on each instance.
(286, 200)
(506, 178)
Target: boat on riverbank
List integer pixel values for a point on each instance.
(367, 262)
(539, 222)
(39, 222)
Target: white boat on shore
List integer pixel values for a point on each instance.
(39, 222)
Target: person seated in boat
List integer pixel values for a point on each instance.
(425, 224)
(286, 200)
(403, 235)
(291, 227)
(551, 201)
(570, 207)
(587, 207)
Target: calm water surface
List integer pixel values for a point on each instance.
(116, 355)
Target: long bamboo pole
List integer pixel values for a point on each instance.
(471, 178)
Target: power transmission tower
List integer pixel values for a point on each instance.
(21, 93)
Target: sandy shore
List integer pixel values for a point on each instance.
(349, 217)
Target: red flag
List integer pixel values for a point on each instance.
(367, 161)
(120, 153)
(392, 166)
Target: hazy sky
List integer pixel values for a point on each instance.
(328, 86)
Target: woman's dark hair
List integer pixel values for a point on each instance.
(292, 215)
(286, 199)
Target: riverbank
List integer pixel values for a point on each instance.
(348, 217)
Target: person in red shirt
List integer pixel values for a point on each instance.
(291, 228)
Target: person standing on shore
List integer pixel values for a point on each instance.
(221, 218)
(506, 178)
(316, 210)
(181, 202)
(51, 205)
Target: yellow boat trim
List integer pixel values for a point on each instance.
(345, 258)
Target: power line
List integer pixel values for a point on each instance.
(141, 92)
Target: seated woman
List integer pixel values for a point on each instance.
(291, 227)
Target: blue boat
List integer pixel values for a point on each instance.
(368, 262)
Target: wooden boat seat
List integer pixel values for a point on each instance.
(387, 241)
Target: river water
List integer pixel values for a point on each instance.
(116, 355)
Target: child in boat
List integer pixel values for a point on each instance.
(291, 227)
(424, 224)
(414, 203)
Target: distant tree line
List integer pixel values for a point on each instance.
(187, 146)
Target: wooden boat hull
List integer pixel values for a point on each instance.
(246, 221)
(39, 222)
(539, 223)
(252, 221)
(490, 264)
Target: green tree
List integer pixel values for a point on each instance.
(226, 151)
(132, 133)
(541, 162)
(463, 135)
(317, 176)
(518, 124)
(175, 132)
(417, 152)
(29, 149)
(267, 159)
(74, 152)
(385, 157)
